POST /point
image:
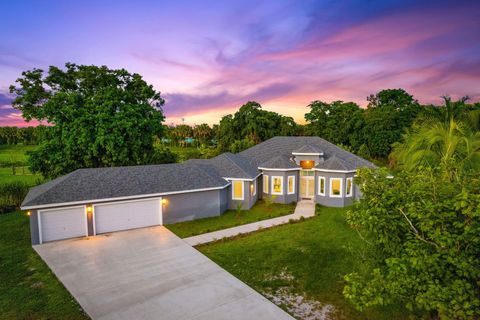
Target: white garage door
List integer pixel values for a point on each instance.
(127, 215)
(56, 224)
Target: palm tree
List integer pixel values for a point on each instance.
(452, 146)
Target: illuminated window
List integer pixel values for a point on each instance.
(265, 183)
(237, 190)
(306, 173)
(277, 185)
(291, 184)
(336, 187)
(321, 186)
(253, 187)
(349, 187)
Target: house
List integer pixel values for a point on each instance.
(87, 202)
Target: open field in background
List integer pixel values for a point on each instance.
(11, 154)
(303, 261)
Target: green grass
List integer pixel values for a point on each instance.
(317, 253)
(230, 218)
(14, 152)
(6, 176)
(28, 289)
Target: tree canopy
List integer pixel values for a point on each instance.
(251, 125)
(421, 231)
(97, 116)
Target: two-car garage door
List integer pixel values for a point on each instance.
(127, 215)
(71, 222)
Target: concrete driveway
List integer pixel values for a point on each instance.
(150, 273)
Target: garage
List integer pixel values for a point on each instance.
(124, 215)
(63, 223)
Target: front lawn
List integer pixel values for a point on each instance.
(298, 261)
(28, 289)
(260, 211)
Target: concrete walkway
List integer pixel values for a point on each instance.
(151, 274)
(304, 209)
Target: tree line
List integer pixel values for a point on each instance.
(420, 228)
(25, 136)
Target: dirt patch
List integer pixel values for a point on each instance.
(300, 307)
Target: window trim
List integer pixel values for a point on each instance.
(281, 185)
(233, 190)
(266, 185)
(347, 194)
(341, 188)
(319, 191)
(293, 184)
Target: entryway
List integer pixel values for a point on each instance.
(307, 184)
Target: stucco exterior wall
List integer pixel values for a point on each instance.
(328, 200)
(34, 233)
(248, 199)
(193, 205)
(285, 197)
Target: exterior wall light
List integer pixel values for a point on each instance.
(89, 209)
(164, 201)
(29, 213)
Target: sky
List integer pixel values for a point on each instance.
(207, 58)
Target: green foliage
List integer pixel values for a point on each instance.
(99, 117)
(336, 122)
(422, 234)
(452, 146)
(26, 136)
(203, 134)
(240, 145)
(251, 125)
(13, 193)
(370, 132)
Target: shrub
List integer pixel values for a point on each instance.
(13, 193)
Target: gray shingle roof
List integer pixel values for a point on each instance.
(277, 146)
(334, 163)
(103, 183)
(308, 149)
(227, 165)
(279, 162)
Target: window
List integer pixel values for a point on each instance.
(307, 173)
(253, 187)
(265, 183)
(336, 187)
(291, 184)
(277, 185)
(321, 186)
(349, 187)
(237, 190)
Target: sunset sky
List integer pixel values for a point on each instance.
(209, 57)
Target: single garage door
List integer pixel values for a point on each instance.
(126, 215)
(56, 224)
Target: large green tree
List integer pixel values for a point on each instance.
(250, 125)
(421, 231)
(338, 122)
(389, 113)
(98, 117)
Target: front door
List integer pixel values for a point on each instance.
(307, 182)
